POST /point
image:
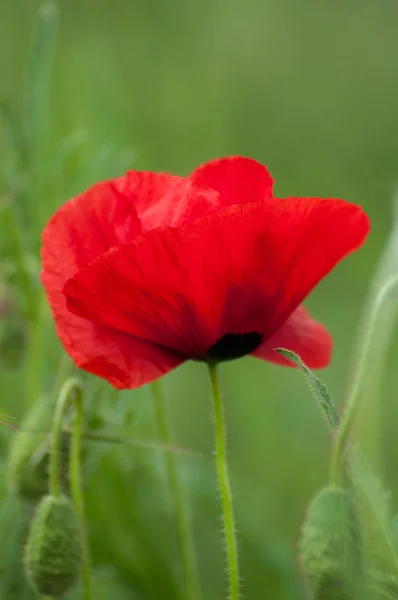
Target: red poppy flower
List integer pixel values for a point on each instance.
(149, 270)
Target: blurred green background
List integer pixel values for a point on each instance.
(308, 88)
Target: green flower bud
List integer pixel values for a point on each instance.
(331, 546)
(52, 556)
(28, 458)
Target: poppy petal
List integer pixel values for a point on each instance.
(161, 199)
(150, 289)
(304, 336)
(89, 225)
(123, 360)
(238, 180)
(297, 242)
(80, 230)
(245, 269)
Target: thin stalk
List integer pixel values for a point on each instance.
(225, 487)
(180, 503)
(64, 370)
(67, 392)
(39, 73)
(353, 402)
(13, 230)
(76, 486)
(34, 352)
(71, 392)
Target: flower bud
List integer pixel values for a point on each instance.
(52, 556)
(28, 458)
(27, 463)
(331, 546)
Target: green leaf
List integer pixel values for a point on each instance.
(319, 389)
(40, 75)
(384, 584)
(375, 499)
(376, 503)
(394, 531)
(13, 138)
(331, 546)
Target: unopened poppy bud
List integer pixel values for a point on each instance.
(27, 464)
(28, 458)
(331, 546)
(52, 553)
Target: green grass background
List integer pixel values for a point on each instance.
(308, 88)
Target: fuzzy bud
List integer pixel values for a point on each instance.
(52, 556)
(331, 546)
(28, 458)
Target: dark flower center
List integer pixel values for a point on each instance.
(234, 345)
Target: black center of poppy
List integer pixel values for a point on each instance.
(234, 345)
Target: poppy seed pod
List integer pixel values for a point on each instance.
(53, 553)
(331, 546)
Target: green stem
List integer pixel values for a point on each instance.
(179, 502)
(34, 352)
(68, 392)
(17, 241)
(225, 487)
(71, 392)
(64, 370)
(75, 477)
(349, 415)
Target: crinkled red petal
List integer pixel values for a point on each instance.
(238, 180)
(245, 269)
(89, 225)
(80, 230)
(161, 199)
(304, 336)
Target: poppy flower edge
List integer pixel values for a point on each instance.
(87, 226)
(237, 179)
(303, 335)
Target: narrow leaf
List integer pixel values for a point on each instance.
(319, 389)
(40, 75)
(97, 436)
(386, 584)
(14, 136)
(375, 499)
(377, 505)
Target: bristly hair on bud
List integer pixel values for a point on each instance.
(331, 549)
(52, 557)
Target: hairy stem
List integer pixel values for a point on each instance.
(225, 487)
(76, 486)
(66, 395)
(71, 393)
